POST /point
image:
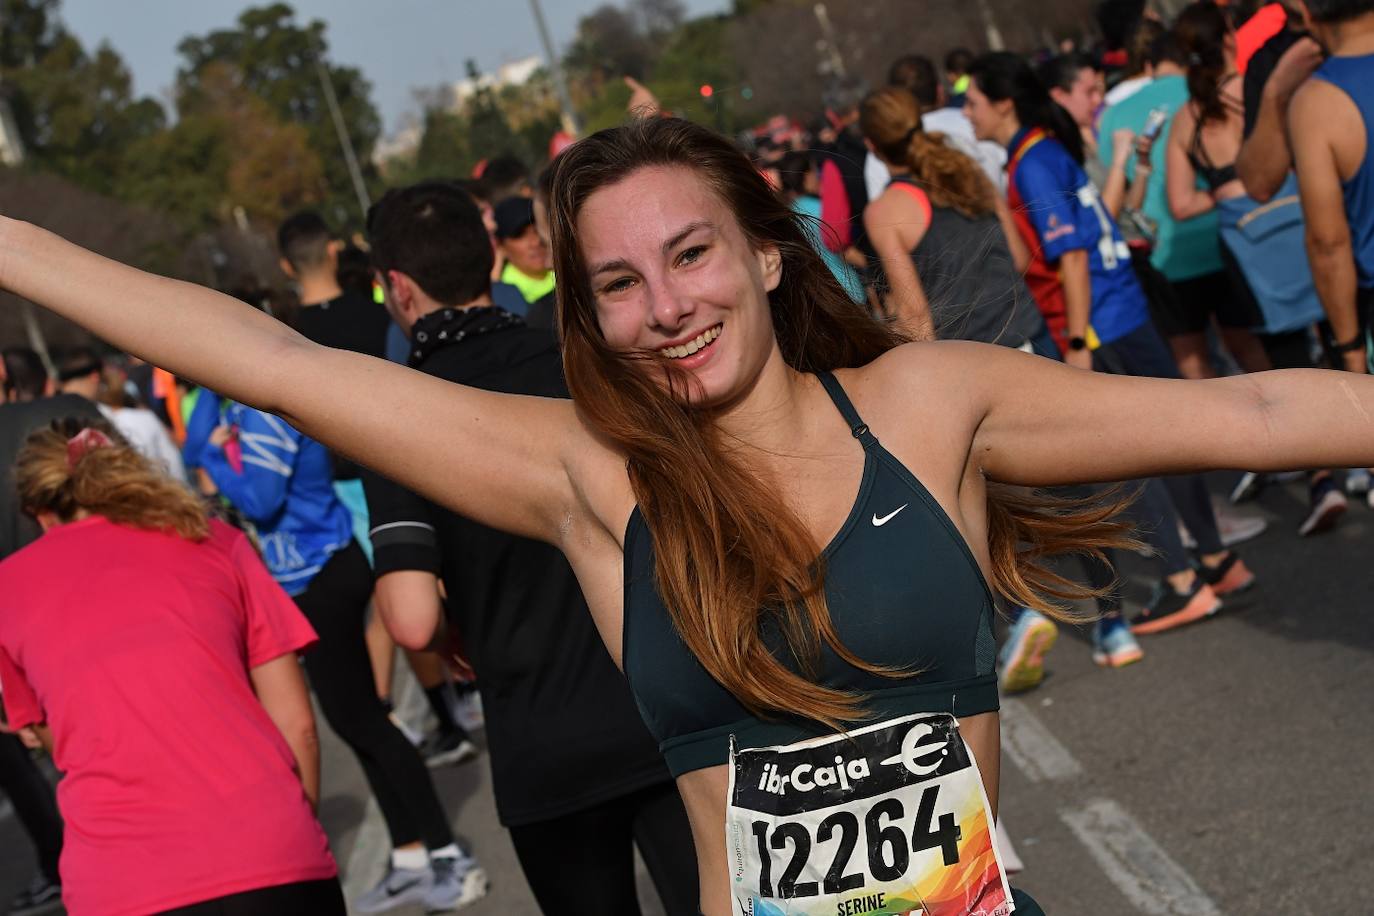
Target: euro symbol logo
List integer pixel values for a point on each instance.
(915, 747)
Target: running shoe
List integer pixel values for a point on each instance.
(400, 887)
(456, 882)
(1233, 528)
(1168, 609)
(467, 707)
(1248, 487)
(441, 749)
(1328, 505)
(1357, 482)
(41, 896)
(1023, 656)
(1229, 576)
(1113, 644)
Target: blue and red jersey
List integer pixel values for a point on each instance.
(1056, 209)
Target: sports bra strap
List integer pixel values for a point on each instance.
(846, 408)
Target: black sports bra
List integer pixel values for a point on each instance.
(903, 590)
(1213, 175)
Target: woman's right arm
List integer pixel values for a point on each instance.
(895, 226)
(280, 688)
(1186, 200)
(496, 458)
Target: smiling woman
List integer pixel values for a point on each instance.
(788, 595)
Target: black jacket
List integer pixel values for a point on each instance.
(562, 729)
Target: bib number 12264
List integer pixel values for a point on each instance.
(887, 846)
(890, 818)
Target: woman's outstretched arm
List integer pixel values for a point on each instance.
(1051, 425)
(497, 458)
(1037, 422)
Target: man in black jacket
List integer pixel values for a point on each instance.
(576, 774)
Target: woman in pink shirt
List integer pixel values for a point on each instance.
(149, 649)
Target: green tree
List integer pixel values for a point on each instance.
(75, 111)
(232, 151)
(516, 120)
(276, 59)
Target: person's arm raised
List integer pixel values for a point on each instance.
(1039, 423)
(499, 459)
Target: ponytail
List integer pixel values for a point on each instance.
(891, 120)
(1201, 32)
(77, 465)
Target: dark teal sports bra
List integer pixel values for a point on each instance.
(903, 590)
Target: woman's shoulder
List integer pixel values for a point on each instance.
(921, 369)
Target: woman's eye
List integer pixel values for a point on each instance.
(691, 255)
(619, 286)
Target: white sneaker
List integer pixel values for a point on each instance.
(1328, 508)
(400, 886)
(455, 882)
(467, 709)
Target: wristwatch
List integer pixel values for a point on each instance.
(1350, 346)
(1077, 343)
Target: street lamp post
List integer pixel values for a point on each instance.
(345, 142)
(560, 85)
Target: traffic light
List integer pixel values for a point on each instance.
(707, 91)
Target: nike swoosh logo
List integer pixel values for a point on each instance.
(879, 522)
(393, 889)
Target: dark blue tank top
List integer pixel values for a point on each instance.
(1355, 77)
(903, 589)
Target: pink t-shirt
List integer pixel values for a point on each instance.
(135, 647)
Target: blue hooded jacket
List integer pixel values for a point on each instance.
(286, 487)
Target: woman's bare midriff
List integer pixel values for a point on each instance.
(704, 793)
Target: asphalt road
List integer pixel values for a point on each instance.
(1227, 772)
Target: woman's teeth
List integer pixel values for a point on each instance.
(693, 345)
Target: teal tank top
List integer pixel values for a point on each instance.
(903, 589)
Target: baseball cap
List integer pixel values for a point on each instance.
(512, 215)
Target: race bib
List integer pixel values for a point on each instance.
(888, 819)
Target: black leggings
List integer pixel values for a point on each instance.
(583, 863)
(318, 898)
(341, 674)
(34, 803)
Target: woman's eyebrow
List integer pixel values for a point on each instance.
(685, 231)
(672, 242)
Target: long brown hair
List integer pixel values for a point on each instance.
(729, 552)
(113, 481)
(1201, 31)
(891, 120)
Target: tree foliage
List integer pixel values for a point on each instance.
(457, 135)
(75, 112)
(275, 59)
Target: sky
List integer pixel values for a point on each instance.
(400, 45)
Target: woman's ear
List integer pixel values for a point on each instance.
(770, 263)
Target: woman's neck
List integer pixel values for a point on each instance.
(1007, 130)
(767, 418)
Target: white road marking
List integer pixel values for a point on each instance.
(1135, 863)
(1035, 751)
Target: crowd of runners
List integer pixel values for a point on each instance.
(674, 624)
